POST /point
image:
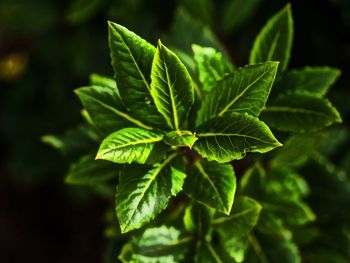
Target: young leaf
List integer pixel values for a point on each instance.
(235, 229)
(212, 184)
(131, 145)
(244, 90)
(171, 87)
(311, 80)
(162, 244)
(212, 66)
(88, 171)
(231, 136)
(143, 192)
(132, 59)
(274, 41)
(180, 138)
(300, 113)
(106, 109)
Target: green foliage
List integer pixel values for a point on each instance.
(176, 124)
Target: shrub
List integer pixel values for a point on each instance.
(187, 142)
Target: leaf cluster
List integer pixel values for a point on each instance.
(174, 124)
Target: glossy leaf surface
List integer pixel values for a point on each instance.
(245, 91)
(300, 113)
(106, 109)
(180, 138)
(162, 245)
(212, 66)
(132, 59)
(212, 184)
(131, 145)
(171, 87)
(274, 41)
(231, 136)
(144, 191)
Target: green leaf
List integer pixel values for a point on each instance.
(99, 80)
(212, 66)
(131, 145)
(310, 80)
(297, 149)
(162, 245)
(273, 248)
(207, 252)
(88, 171)
(231, 136)
(283, 208)
(106, 110)
(212, 184)
(279, 194)
(197, 220)
(235, 228)
(74, 141)
(132, 59)
(171, 87)
(274, 41)
(186, 30)
(245, 90)
(180, 138)
(237, 12)
(300, 113)
(253, 181)
(143, 192)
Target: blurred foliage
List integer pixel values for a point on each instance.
(48, 48)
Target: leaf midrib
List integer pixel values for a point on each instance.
(119, 113)
(211, 134)
(169, 84)
(206, 176)
(293, 110)
(150, 181)
(228, 106)
(135, 63)
(221, 220)
(145, 141)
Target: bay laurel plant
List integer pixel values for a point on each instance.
(170, 142)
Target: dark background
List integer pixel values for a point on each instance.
(48, 48)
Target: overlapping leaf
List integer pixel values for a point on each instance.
(171, 87)
(274, 41)
(212, 66)
(207, 252)
(132, 145)
(300, 113)
(106, 109)
(143, 192)
(212, 184)
(231, 136)
(162, 245)
(235, 228)
(273, 248)
(132, 59)
(309, 80)
(87, 171)
(244, 90)
(180, 138)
